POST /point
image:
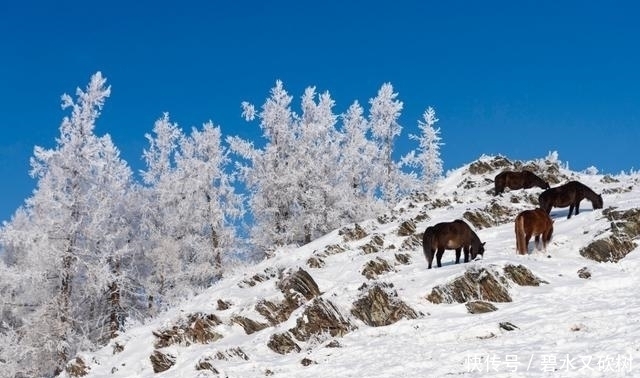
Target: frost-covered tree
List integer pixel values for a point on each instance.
(383, 116)
(268, 175)
(359, 159)
(293, 180)
(191, 205)
(428, 157)
(311, 175)
(76, 236)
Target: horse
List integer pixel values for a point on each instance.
(535, 223)
(455, 235)
(517, 180)
(569, 194)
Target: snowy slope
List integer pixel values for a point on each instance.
(570, 326)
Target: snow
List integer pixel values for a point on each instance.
(570, 327)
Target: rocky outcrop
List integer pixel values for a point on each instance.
(522, 276)
(77, 368)
(380, 306)
(161, 361)
(407, 228)
(485, 284)
(249, 325)
(195, 328)
(374, 245)
(376, 267)
(625, 227)
(321, 317)
(480, 307)
(491, 215)
(282, 343)
(351, 234)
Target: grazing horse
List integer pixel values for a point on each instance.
(517, 180)
(451, 235)
(569, 194)
(533, 223)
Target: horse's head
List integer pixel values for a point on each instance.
(477, 250)
(545, 185)
(597, 202)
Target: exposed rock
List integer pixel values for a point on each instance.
(306, 362)
(283, 343)
(205, 364)
(608, 179)
(334, 344)
(422, 216)
(380, 306)
(584, 273)
(331, 249)
(232, 353)
(351, 234)
(196, 328)
(321, 316)
(611, 249)
(407, 228)
(376, 267)
(480, 307)
(419, 197)
(268, 274)
(117, 347)
(480, 167)
(437, 203)
(492, 215)
(250, 326)
(412, 242)
(315, 262)
(474, 284)
(276, 313)
(507, 326)
(625, 226)
(386, 218)
(77, 368)
(299, 282)
(374, 245)
(403, 258)
(223, 305)
(161, 361)
(522, 276)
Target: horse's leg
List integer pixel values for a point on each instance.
(577, 207)
(430, 257)
(537, 241)
(458, 252)
(525, 247)
(466, 254)
(570, 210)
(439, 256)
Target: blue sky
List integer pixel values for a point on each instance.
(518, 78)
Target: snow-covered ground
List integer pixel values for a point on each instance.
(570, 326)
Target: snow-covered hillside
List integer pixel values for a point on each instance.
(573, 317)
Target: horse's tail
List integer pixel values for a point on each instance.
(519, 230)
(427, 245)
(548, 234)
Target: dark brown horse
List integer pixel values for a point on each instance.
(569, 194)
(517, 180)
(455, 235)
(535, 223)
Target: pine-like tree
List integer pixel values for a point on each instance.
(428, 157)
(191, 205)
(383, 116)
(77, 236)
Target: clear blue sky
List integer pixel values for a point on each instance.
(518, 78)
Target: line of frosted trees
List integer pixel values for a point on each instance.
(94, 248)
